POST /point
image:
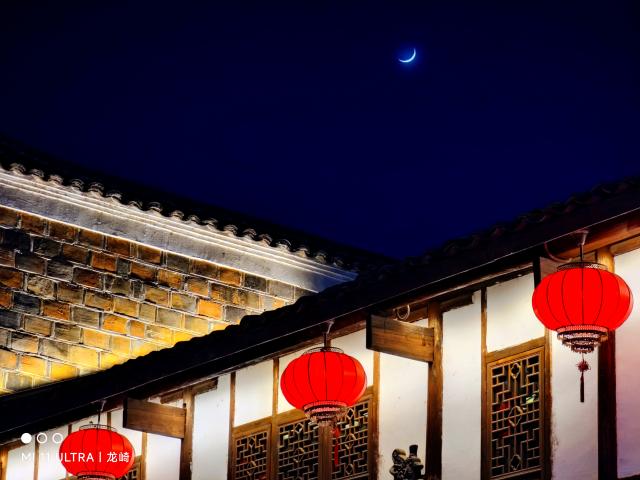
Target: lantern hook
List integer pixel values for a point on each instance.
(402, 313)
(101, 405)
(327, 341)
(582, 239)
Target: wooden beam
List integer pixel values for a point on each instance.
(607, 401)
(186, 447)
(601, 236)
(154, 418)
(403, 339)
(542, 267)
(433, 470)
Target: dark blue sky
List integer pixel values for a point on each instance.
(300, 113)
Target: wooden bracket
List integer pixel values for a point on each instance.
(154, 418)
(388, 335)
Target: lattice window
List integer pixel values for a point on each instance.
(515, 407)
(251, 454)
(295, 447)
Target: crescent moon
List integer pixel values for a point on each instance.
(410, 59)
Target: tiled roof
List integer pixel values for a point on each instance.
(258, 336)
(18, 158)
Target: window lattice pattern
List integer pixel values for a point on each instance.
(298, 451)
(298, 447)
(515, 416)
(251, 454)
(354, 444)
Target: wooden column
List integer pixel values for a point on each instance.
(607, 426)
(325, 458)
(433, 470)
(186, 449)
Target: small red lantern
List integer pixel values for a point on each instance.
(323, 382)
(96, 452)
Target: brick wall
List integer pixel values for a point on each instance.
(73, 301)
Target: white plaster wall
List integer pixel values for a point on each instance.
(134, 436)
(628, 372)
(211, 433)
(403, 407)
(574, 425)
(510, 317)
(461, 398)
(21, 463)
(49, 466)
(163, 457)
(254, 393)
(353, 344)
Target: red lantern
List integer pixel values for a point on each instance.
(323, 382)
(96, 452)
(582, 301)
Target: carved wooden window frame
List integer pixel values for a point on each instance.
(272, 424)
(541, 347)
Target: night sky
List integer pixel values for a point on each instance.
(300, 113)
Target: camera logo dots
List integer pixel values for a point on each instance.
(42, 438)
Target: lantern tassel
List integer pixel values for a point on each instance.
(583, 366)
(336, 446)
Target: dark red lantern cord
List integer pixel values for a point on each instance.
(336, 446)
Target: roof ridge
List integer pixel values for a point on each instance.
(20, 158)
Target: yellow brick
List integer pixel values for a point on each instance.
(209, 309)
(159, 334)
(5, 298)
(103, 261)
(142, 348)
(181, 336)
(232, 277)
(98, 300)
(33, 365)
(126, 306)
(169, 278)
(96, 339)
(54, 309)
(10, 278)
(37, 325)
(8, 359)
(198, 285)
(122, 345)
(115, 323)
(218, 326)
(83, 356)
(108, 360)
(155, 295)
(61, 371)
(136, 329)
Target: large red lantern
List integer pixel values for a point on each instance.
(96, 452)
(583, 302)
